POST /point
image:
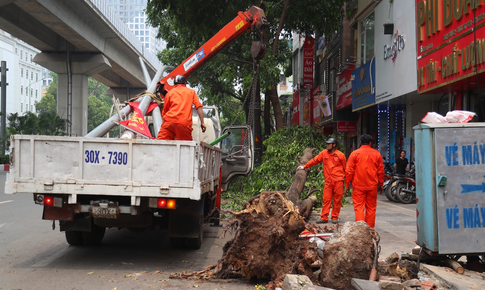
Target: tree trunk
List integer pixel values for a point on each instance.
(304, 206)
(278, 113)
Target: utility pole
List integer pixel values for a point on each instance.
(3, 94)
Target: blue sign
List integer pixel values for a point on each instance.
(364, 85)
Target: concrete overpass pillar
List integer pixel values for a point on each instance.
(73, 107)
(78, 109)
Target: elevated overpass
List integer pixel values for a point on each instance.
(80, 38)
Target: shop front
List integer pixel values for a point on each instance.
(451, 52)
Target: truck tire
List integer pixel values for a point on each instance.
(95, 236)
(74, 238)
(177, 243)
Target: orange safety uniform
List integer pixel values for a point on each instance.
(334, 172)
(365, 170)
(177, 113)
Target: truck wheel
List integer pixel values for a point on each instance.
(74, 238)
(177, 243)
(95, 236)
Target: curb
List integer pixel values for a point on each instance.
(4, 167)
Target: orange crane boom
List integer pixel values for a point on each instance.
(254, 19)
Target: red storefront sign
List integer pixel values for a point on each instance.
(346, 126)
(308, 62)
(344, 88)
(295, 118)
(450, 45)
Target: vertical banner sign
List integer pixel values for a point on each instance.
(308, 62)
(344, 88)
(295, 118)
(317, 112)
(307, 108)
(364, 86)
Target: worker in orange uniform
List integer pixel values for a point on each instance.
(333, 162)
(365, 170)
(177, 112)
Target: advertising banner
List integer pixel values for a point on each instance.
(344, 88)
(363, 86)
(295, 118)
(308, 62)
(450, 45)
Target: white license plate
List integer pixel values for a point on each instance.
(107, 213)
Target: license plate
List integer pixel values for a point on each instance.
(394, 183)
(106, 213)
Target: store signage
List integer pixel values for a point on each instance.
(346, 126)
(344, 88)
(450, 44)
(308, 62)
(363, 86)
(391, 51)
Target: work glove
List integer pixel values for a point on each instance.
(300, 168)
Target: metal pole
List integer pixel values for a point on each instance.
(3, 82)
(107, 125)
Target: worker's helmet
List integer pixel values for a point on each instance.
(332, 141)
(180, 79)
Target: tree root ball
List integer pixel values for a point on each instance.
(348, 254)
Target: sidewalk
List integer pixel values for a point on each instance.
(396, 225)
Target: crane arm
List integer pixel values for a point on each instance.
(254, 19)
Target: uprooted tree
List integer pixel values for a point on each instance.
(266, 242)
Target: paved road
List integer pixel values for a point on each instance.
(33, 256)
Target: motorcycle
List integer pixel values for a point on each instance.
(406, 187)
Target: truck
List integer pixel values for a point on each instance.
(89, 183)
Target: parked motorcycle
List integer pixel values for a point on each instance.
(406, 187)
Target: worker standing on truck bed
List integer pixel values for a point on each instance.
(177, 112)
(366, 172)
(333, 162)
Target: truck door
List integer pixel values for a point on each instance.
(237, 154)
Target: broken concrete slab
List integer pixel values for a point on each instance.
(361, 284)
(390, 285)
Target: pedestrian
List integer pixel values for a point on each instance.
(333, 162)
(365, 170)
(401, 163)
(177, 112)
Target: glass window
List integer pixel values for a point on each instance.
(16, 51)
(32, 107)
(136, 26)
(36, 76)
(131, 26)
(146, 45)
(32, 76)
(30, 58)
(142, 26)
(26, 73)
(21, 89)
(136, 21)
(136, 32)
(35, 93)
(367, 39)
(141, 38)
(22, 72)
(142, 32)
(44, 83)
(21, 54)
(21, 107)
(146, 39)
(31, 92)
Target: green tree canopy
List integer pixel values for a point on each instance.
(223, 82)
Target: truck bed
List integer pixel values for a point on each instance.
(113, 167)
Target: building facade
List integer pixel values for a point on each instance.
(132, 14)
(24, 77)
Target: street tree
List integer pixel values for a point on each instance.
(224, 81)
